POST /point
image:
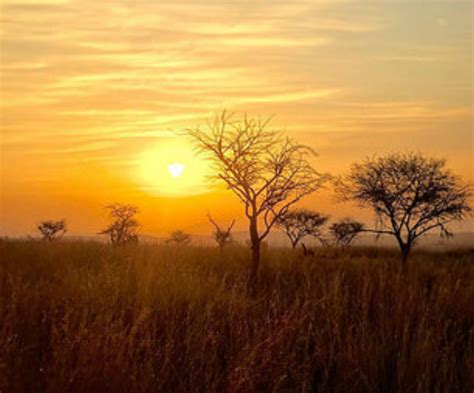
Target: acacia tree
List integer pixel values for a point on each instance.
(124, 227)
(345, 231)
(299, 223)
(411, 195)
(222, 236)
(179, 238)
(266, 171)
(52, 230)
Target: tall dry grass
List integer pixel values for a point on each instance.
(84, 317)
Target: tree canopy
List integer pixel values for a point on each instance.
(411, 195)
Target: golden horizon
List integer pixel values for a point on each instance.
(94, 97)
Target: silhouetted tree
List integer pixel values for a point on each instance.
(299, 223)
(52, 230)
(124, 227)
(267, 172)
(222, 236)
(345, 231)
(179, 238)
(410, 194)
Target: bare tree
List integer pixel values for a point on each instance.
(345, 231)
(222, 236)
(299, 223)
(52, 230)
(410, 194)
(266, 171)
(124, 227)
(179, 238)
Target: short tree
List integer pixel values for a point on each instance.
(267, 172)
(222, 236)
(52, 230)
(410, 194)
(179, 238)
(345, 231)
(124, 227)
(299, 223)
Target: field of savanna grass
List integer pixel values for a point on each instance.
(87, 317)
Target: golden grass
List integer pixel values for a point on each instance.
(84, 317)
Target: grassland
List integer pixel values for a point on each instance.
(85, 317)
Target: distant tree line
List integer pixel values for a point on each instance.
(411, 194)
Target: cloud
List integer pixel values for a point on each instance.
(32, 3)
(289, 96)
(89, 72)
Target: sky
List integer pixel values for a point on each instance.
(93, 92)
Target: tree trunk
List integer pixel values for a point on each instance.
(405, 252)
(253, 272)
(294, 243)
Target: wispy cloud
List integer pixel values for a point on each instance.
(88, 72)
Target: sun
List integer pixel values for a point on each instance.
(172, 168)
(176, 169)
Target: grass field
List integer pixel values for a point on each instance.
(85, 317)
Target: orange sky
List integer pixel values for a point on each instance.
(91, 91)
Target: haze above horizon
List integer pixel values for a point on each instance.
(93, 92)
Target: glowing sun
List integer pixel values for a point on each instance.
(172, 168)
(176, 169)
